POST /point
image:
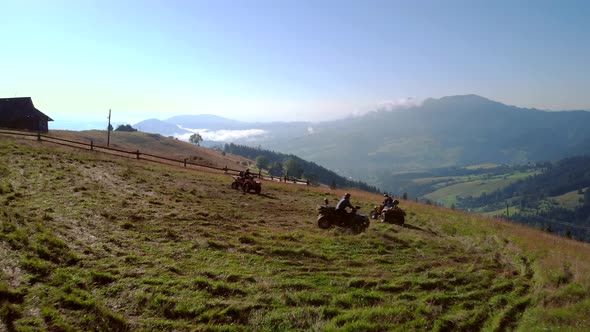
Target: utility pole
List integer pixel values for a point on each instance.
(507, 212)
(109, 129)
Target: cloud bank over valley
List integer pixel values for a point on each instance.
(223, 135)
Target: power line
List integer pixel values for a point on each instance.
(563, 223)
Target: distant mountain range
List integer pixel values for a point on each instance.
(450, 131)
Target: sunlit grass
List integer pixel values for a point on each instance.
(132, 246)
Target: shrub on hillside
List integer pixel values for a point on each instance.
(125, 127)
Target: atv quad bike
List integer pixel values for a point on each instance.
(246, 184)
(328, 218)
(392, 215)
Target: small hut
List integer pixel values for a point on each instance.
(21, 114)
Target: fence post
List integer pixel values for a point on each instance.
(91, 145)
(38, 135)
(185, 162)
(137, 154)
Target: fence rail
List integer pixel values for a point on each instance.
(134, 154)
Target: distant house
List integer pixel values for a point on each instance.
(20, 113)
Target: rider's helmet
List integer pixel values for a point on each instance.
(385, 195)
(347, 195)
(396, 202)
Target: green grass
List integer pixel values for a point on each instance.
(127, 245)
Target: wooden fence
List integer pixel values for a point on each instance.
(137, 155)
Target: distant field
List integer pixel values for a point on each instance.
(570, 200)
(447, 194)
(437, 179)
(482, 166)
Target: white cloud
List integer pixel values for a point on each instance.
(388, 105)
(400, 103)
(221, 135)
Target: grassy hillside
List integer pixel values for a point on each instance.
(91, 242)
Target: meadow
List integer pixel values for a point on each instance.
(92, 242)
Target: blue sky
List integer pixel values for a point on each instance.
(289, 60)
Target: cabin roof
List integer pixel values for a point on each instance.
(20, 108)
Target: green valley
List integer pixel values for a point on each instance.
(553, 196)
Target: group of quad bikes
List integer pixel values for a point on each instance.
(328, 217)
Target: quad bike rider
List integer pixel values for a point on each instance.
(389, 211)
(330, 216)
(247, 182)
(387, 201)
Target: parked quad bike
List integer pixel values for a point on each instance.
(246, 184)
(392, 215)
(328, 218)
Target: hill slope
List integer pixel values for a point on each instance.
(302, 168)
(89, 242)
(157, 145)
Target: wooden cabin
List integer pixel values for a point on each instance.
(21, 114)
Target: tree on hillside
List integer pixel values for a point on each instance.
(292, 168)
(312, 177)
(587, 197)
(261, 162)
(195, 139)
(125, 127)
(276, 168)
(548, 229)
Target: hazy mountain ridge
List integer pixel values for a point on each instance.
(159, 127)
(450, 131)
(209, 121)
(444, 132)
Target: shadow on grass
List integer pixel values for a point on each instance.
(267, 196)
(419, 229)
